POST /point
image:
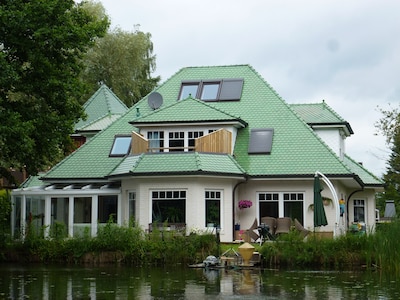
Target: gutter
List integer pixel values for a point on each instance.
(233, 205)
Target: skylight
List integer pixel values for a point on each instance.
(261, 141)
(212, 90)
(121, 145)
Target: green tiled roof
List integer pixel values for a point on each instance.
(189, 162)
(187, 110)
(101, 110)
(296, 149)
(32, 181)
(367, 177)
(319, 113)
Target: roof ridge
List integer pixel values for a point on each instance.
(190, 98)
(99, 118)
(198, 160)
(324, 105)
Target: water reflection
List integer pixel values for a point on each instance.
(50, 282)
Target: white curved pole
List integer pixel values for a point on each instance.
(335, 200)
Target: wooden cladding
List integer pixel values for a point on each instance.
(139, 144)
(219, 141)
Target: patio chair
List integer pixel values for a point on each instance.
(304, 232)
(283, 225)
(271, 222)
(252, 233)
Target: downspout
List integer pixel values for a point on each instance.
(234, 207)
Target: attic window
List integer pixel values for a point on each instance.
(212, 90)
(261, 141)
(121, 145)
(189, 89)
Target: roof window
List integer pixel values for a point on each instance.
(121, 145)
(212, 90)
(261, 141)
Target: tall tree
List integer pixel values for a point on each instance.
(41, 47)
(389, 125)
(124, 62)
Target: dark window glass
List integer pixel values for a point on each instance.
(261, 141)
(294, 209)
(269, 209)
(231, 89)
(107, 208)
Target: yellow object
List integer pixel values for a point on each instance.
(246, 251)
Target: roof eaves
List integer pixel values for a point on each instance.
(331, 124)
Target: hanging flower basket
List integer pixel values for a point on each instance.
(245, 204)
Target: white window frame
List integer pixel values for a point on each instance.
(221, 197)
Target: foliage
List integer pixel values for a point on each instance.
(5, 211)
(41, 46)
(389, 125)
(130, 242)
(124, 62)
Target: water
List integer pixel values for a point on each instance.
(122, 282)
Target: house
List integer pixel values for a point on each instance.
(187, 153)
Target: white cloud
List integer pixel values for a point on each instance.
(345, 52)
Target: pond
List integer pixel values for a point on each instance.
(122, 282)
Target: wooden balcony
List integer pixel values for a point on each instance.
(219, 141)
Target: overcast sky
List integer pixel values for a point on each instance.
(345, 52)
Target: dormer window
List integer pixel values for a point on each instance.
(212, 90)
(121, 145)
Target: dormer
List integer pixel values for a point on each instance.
(187, 125)
(326, 123)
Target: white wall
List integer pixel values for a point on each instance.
(195, 188)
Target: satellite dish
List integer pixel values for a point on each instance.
(155, 100)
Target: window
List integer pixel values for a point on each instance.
(214, 90)
(210, 91)
(177, 141)
(189, 89)
(231, 89)
(293, 206)
(107, 210)
(269, 204)
(169, 206)
(132, 206)
(83, 210)
(261, 141)
(359, 210)
(213, 208)
(121, 145)
(156, 140)
(192, 135)
(281, 204)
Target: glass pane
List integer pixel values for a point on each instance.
(210, 91)
(189, 89)
(83, 210)
(294, 210)
(213, 212)
(107, 209)
(269, 209)
(121, 145)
